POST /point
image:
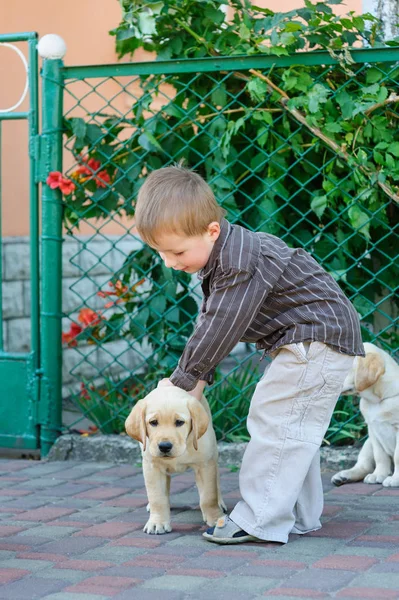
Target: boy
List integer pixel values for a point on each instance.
(257, 289)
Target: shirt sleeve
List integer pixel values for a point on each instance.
(235, 298)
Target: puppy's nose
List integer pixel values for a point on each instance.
(165, 446)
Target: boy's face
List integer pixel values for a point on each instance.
(188, 254)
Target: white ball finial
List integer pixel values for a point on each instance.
(51, 46)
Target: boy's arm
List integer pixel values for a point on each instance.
(235, 298)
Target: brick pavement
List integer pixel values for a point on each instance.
(73, 531)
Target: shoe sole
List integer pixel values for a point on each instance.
(238, 540)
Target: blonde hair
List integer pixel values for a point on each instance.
(175, 200)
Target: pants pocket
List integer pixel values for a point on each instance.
(311, 414)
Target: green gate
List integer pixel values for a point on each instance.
(29, 382)
(19, 384)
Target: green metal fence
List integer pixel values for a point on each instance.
(126, 318)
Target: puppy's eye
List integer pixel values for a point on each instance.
(179, 423)
(154, 423)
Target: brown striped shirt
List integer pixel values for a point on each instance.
(258, 289)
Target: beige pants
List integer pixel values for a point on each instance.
(280, 480)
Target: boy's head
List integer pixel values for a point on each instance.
(177, 215)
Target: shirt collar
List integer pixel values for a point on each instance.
(225, 228)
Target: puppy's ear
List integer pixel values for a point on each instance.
(199, 420)
(135, 423)
(368, 371)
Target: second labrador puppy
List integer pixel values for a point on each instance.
(375, 379)
(175, 431)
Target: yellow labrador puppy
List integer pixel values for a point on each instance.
(175, 432)
(375, 379)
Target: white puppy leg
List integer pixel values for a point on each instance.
(206, 477)
(157, 486)
(393, 480)
(382, 463)
(365, 464)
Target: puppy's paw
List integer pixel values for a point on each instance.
(341, 478)
(375, 477)
(391, 481)
(155, 527)
(211, 515)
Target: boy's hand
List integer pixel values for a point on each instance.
(196, 392)
(164, 382)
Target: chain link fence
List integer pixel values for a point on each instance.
(286, 152)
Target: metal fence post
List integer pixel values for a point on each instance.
(52, 49)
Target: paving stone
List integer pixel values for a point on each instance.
(253, 585)
(107, 530)
(103, 584)
(377, 580)
(26, 564)
(320, 579)
(364, 592)
(387, 567)
(30, 588)
(68, 489)
(83, 565)
(218, 594)
(137, 572)
(26, 540)
(4, 554)
(51, 532)
(174, 582)
(346, 563)
(143, 594)
(11, 574)
(68, 575)
(31, 501)
(294, 593)
(112, 554)
(71, 546)
(263, 571)
(373, 552)
(9, 530)
(342, 530)
(72, 596)
(44, 514)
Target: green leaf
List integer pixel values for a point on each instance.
(257, 89)
(333, 127)
(245, 33)
(263, 115)
(359, 220)
(219, 97)
(318, 94)
(358, 23)
(94, 133)
(79, 130)
(390, 161)
(148, 142)
(319, 205)
(158, 304)
(279, 51)
(378, 157)
(393, 148)
(146, 23)
(373, 75)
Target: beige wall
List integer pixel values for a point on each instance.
(84, 25)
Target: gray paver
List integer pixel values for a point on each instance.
(30, 588)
